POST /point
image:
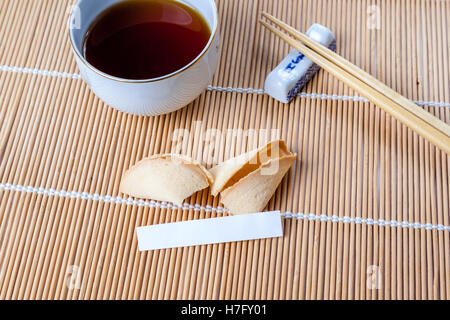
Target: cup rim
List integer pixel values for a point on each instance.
(170, 75)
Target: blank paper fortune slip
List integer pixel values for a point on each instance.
(208, 231)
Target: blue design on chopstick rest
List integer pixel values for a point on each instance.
(308, 75)
(291, 66)
(303, 80)
(332, 46)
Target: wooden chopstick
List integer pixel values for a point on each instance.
(417, 119)
(360, 74)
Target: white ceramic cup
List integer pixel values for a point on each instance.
(152, 96)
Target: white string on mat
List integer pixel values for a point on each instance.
(108, 199)
(368, 221)
(45, 73)
(165, 205)
(312, 95)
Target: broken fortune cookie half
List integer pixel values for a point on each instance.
(167, 177)
(246, 183)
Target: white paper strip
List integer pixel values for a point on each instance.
(207, 231)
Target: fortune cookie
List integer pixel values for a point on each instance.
(166, 177)
(246, 183)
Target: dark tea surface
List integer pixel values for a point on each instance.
(145, 39)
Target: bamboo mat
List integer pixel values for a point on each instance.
(366, 205)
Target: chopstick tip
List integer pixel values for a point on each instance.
(266, 15)
(264, 23)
